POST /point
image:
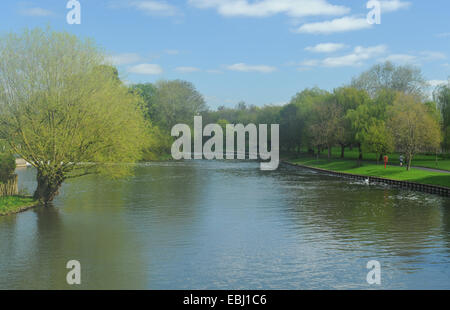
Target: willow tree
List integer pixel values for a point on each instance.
(63, 111)
(413, 128)
(442, 97)
(387, 76)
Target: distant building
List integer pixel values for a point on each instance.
(20, 162)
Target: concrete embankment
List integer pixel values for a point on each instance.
(20, 163)
(427, 188)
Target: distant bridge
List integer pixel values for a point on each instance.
(20, 162)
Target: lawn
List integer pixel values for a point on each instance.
(370, 169)
(14, 204)
(441, 161)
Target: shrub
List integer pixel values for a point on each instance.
(7, 167)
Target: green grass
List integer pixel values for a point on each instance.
(369, 169)
(14, 204)
(441, 162)
(426, 161)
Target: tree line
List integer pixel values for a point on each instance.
(64, 109)
(386, 108)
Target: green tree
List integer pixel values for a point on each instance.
(176, 102)
(147, 92)
(158, 145)
(368, 117)
(301, 122)
(63, 112)
(223, 124)
(327, 124)
(291, 127)
(442, 97)
(412, 127)
(407, 79)
(269, 114)
(7, 166)
(241, 106)
(377, 139)
(348, 98)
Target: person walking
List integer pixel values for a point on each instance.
(401, 160)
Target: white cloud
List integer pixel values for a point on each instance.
(350, 23)
(214, 71)
(393, 5)
(325, 47)
(443, 35)
(187, 69)
(172, 52)
(210, 98)
(401, 59)
(242, 67)
(146, 69)
(431, 56)
(303, 69)
(264, 8)
(343, 24)
(37, 12)
(425, 56)
(149, 7)
(434, 83)
(310, 63)
(357, 58)
(124, 59)
(161, 8)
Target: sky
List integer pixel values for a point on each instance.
(257, 51)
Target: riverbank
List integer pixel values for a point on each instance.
(15, 204)
(374, 170)
(439, 162)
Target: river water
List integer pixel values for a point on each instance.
(227, 225)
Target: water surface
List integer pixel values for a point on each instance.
(227, 225)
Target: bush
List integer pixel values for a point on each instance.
(7, 167)
(159, 145)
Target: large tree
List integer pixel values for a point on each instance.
(377, 139)
(326, 124)
(7, 167)
(407, 79)
(367, 122)
(412, 126)
(291, 127)
(64, 111)
(349, 99)
(176, 102)
(304, 101)
(442, 97)
(147, 91)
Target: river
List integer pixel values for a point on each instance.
(227, 225)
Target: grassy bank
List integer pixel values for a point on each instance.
(15, 204)
(369, 169)
(441, 161)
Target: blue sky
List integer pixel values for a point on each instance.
(259, 51)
